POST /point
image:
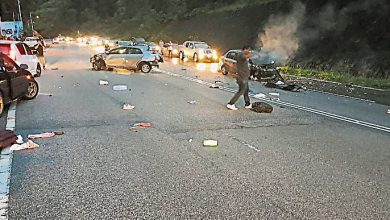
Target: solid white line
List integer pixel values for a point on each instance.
(344, 96)
(299, 107)
(6, 165)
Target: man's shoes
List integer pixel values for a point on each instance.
(232, 107)
(248, 106)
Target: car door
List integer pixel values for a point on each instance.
(4, 82)
(133, 57)
(230, 62)
(115, 57)
(18, 82)
(26, 57)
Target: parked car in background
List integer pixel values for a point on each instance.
(175, 51)
(15, 82)
(262, 68)
(21, 54)
(153, 47)
(127, 57)
(197, 51)
(121, 43)
(138, 41)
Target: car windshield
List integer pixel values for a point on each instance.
(201, 46)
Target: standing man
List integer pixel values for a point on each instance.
(243, 72)
(170, 49)
(39, 47)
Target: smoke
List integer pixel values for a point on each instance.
(285, 34)
(280, 34)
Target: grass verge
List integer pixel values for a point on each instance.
(338, 77)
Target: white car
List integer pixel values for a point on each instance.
(31, 41)
(21, 54)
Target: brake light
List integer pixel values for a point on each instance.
(12, 55)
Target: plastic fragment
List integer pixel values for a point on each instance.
(119, 87)
(128, 107)
(210, 143)
(103, 82)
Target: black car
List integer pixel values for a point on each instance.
(15, 82)
(262, 68)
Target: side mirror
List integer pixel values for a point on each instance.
(23, 66)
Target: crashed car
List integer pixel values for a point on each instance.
(128, 57)
(262, 68)
(15, 82)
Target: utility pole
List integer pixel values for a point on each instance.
(32, 23)
(20, 11)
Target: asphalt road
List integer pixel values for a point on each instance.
(290, 164)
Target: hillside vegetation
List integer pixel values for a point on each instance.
(347, 36)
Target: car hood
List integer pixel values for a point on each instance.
(266, 57)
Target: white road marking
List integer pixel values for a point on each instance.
(244, 143)
(6, 165)
(291, 105)
(344, 96)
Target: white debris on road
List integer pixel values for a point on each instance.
(28, 145)
(103, 82)
(128, 107)
(119, 87)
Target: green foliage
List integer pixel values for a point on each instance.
(337, 77)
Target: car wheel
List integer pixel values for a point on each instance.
(196, 59)
(145, 67)
(39, 71)
(1, 104)
(223, 70)
(32, 90)
(95, 66)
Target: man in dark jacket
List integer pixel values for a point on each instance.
(243, 72)
(40, 47)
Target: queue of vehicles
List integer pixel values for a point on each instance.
(263, 68)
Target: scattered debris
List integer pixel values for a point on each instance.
(193, 102)
(103, 82)
(58, 132)
(388, 111)
(190, 140)
(262, 107)
(62, 76)
(7, 138)
(183, 69)
(282, 85)
(141, 125)
(128, 107)
(213, 86)
(28, 145)
(20, 140)
(43, 135)
(260, 96)
(210, 143)
(274, 95)
(119, 87)
(46, 94)
(218, 82)
(54, 68)
(60, 87)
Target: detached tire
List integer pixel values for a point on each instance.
(145, 67)
(32, 90)
(223, 70)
